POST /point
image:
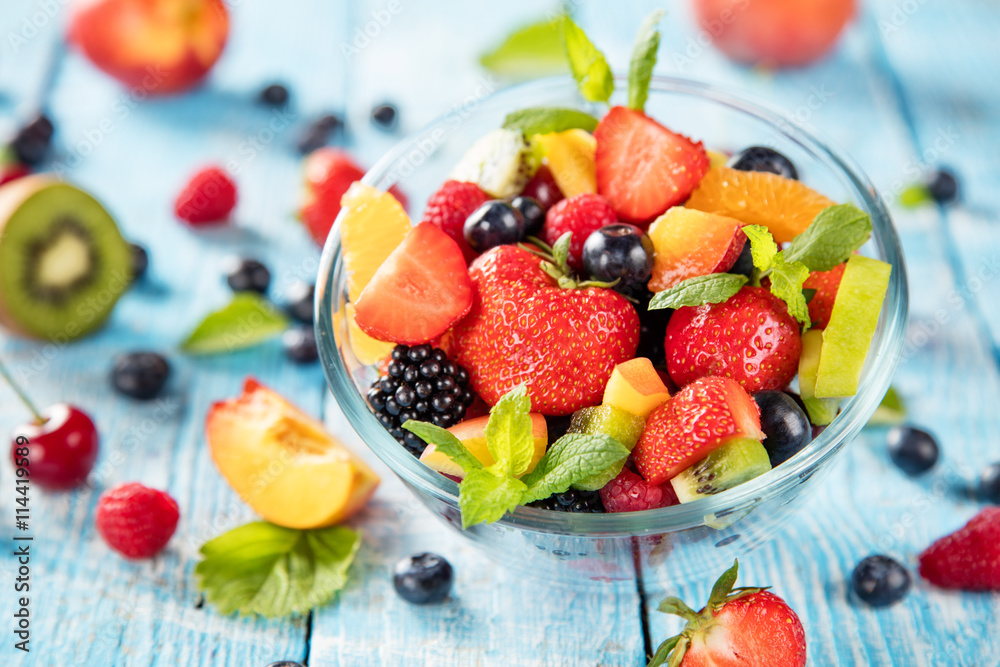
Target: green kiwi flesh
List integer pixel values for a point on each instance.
(737, 461)
(610, 420)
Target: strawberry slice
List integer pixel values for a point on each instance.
(642, 167)
(628, 492)
(698, 419)
(826, 284)
(420, 290)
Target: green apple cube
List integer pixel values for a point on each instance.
(848, 336)
(821, 410)
(610, 420)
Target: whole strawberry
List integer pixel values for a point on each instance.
(750, 338)
(136, 521)
(628, 492)
(450, 206)
(968, 559)
(739, 627)
(208, 198)
(563, 342)
(582, 215)
(826, 284)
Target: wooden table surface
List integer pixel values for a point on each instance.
(912, 83)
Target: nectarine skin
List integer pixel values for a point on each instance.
(692, 243)
(472, 433)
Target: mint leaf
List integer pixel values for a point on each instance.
(835, 233)
(570, 459)
(640, 68)
(486, 494)
(508, 432)
(786, 284)
(542, 120)
(762, 246)
(249, 319)
(590, 69)
(531, 51)
(273, 571)
(445, 442)
(697, 291)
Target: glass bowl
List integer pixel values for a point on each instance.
(670, 544)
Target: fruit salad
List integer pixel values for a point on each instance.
(601, 315)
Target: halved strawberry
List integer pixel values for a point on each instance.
(628, 492)
(642, 167)
(825, 283)
(698, 419)
(420, 290)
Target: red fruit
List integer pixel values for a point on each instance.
(628, 492)
(582, 215)
(209, 197)
(543, 188)
(12, 171)
(136, 521)
(642, 167)
(969, 559)
(750, 338)
(774, 32)
(562, 343)
(450, 206)
(60, 451)
(825, 283)
(420, 290)
(698, 419)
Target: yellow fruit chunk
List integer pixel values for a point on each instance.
(636, 387)
(570, 155)
(373, 225)
(848, 336)
(472, 433)
(368, 350)
(283, 463)
(691, 243)
(716, 159)
(785, 206)
(821, 410)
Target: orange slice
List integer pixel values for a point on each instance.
(375, 223)
(570, 155)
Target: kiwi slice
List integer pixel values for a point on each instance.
(610, 420)
(500, 162)
(737, 461)
(63, 262)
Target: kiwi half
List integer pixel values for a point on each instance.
(737, 461)
(63, 262)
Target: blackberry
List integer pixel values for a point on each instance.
(586, 502)
(421, 383)
(652, 328)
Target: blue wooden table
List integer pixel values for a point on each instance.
(912, 84)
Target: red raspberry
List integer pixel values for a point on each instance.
(136, 521)
(209, 197)
(450, 206)
(628, 492)
(583, 215)
(968, 559)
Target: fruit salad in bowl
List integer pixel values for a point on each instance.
(635, 320)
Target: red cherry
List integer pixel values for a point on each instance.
(61, 449)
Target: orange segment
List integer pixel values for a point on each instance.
(368, 350)
(374, 224)
(786, 207)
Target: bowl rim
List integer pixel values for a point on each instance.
(880, 363)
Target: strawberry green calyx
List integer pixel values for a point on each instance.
(555, 260)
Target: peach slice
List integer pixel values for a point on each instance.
(283, 463)
(472, 433)
(570, 154)
(691, 243)
(635, 386)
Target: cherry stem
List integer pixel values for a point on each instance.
(20, 394)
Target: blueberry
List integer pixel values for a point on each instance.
(247, 275)
(317, 133)
(140, 260)
(532, 212)
(385, 116)
(913, 450)
(943, 185)
(619, 252)
(494, 223)
(761, 158)
(786, 427)
(31, 142)
(423, 579)
(744, 263)
(880, 581)
(989, 484)
(274, 95)
(285, 663)
(300, 345)
(300, 302)
(140, 375)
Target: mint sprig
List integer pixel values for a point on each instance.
(248, 320)
(531, 51)
(589, 67)
(487, 493)
(543, 120)
(697, 291)
(835, 233)
(786, 277)
(640, 69)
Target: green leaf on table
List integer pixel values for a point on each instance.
(590, 69)
(697, 291)
(542, 120)
(640, 69)
(762, 246)
(273, 571)
(531, 51)
(570, 459)
(248, 320)
(835, 233)
(915, 195)
(486, 494)
(445, 442)
(508, 432)
(786, 284)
